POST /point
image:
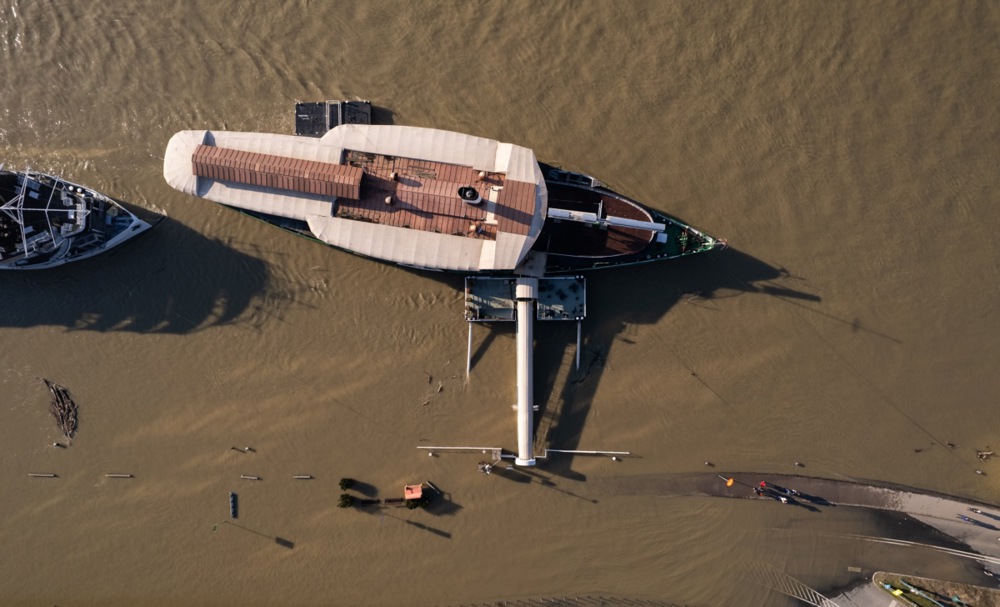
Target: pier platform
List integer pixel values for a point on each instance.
(525, 300)
(314, 119)
(492, 299)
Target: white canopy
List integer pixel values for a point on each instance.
(397, 244)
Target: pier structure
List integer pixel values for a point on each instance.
(524, 300)
(526, 293)
(314, 119)
(497, 454)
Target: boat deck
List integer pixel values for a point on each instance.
(424, 196)
(571, 238)
(45, 221)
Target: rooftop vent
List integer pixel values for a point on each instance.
(469, 195)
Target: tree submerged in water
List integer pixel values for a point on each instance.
(63, 408)
(346, 501)
(346, 483)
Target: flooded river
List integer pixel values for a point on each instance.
(848, 151)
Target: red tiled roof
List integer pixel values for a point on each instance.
(323, 178)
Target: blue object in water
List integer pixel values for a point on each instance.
(232, 504)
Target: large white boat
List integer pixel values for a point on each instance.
(427, 198)
(46, 221)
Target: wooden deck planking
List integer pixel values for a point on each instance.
(425, 196)
(515, 207)
(424, 193)
(613, 240)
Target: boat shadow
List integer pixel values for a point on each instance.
(638, 295)
(170, 279)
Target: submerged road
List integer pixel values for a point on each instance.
(814, 492)
(974, 524)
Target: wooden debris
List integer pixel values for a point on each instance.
(984, 455)
(63, 408)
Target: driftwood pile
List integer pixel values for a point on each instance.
(62, 408)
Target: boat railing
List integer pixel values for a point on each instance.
(573, 178)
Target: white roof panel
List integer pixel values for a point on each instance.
(401, 245)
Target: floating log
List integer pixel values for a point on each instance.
(41, 475)
(250, 478)
(118, 475)
(302, 477)
(63, 408)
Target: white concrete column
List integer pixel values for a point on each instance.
(525, 294)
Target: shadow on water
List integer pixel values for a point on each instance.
(526, 475)
(987, 514)
(485, 344)
(804, 505)
(978, 523)
(622, 298)
(365, 489)
(423, 527)
(434, 530)
(441, 503)
(284, 543)
(169, 280)
(382, 115)
(814, 499)
(518, 476)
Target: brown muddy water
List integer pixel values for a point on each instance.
(847, 150)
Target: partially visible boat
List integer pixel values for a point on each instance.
(46, 221)
(428, 199)
(590, 226)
